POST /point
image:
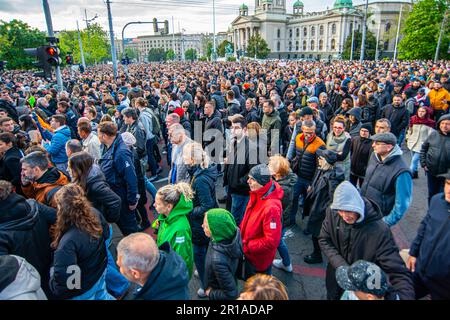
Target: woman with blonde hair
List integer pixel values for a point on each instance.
(264, 287)
(203, 176)
(174, 204)
(79, 240)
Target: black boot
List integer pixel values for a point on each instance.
(316, 255)
(415, 175)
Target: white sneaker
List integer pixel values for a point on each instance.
(278, 263)
(196, 274)
(201, 293)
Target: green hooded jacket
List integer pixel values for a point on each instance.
(176, 230)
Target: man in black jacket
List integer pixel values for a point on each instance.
(24, 230)
(213, 133)
(430, 252)
(160, 273)
(239, 162)
(130, 118)
(398, 115)
(352, 231)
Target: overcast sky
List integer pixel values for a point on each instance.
(192, 15)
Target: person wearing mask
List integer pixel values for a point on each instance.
(79, 240)
(320, 194)
(354, 218)
(160, 273)
(360, 150)
(261, 226)
(223, 256)
(430, 251)
(435, 156)
(283, 175)
(174, 204)
(420, 127)
(339, 141)
(203, 183)
(25, 230)
(39, 180)
(117, 165)
(388, 180)
(10, 155)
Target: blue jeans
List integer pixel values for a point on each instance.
(116, 283)
(200, 261)
(151, 158)
(415, 161)
(283, 250)
(238, 205)
(300, 189)
(97, 292)
(401, 137)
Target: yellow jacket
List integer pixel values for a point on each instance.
(436, 98)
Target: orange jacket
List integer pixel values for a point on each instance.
(436, 98)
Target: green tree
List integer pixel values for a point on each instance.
(421, 31)
(131, 53)
(256, 42)
(370, 48)
(190, 54)
(209, 49)
(157, 54)
(170, 55)
(95, 41)
(15, 36)
(221, 49)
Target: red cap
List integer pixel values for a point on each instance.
(179, 111)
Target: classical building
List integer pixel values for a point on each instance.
(314, 35)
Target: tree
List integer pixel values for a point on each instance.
(221, 49)
(15, 36)
(157, 54)
(370, 48)
(190, 54)
(95, 41)
(170, 55)
(131, 53)
(260, 45)
(421, 31)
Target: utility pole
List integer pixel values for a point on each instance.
(214, 30)
(80, 43)
(48, 19)
(353, 38)
(111, 34)
(378, 41)
(398, 32)
(173, 38)
(444, 20)
(363, 41)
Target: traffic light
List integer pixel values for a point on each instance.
(47, 57)
(166, 27)
(69, 59)
(155, 25)
(52, 55)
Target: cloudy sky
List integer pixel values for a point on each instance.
(191, 15)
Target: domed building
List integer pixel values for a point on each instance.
(300, 34)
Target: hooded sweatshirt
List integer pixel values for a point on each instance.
(175, 230)
(19, 280)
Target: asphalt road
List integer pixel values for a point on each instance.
(307, 282)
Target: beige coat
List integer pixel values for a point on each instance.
(416, 135)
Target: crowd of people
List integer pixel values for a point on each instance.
(338, 142)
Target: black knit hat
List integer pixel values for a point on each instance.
(367, 126)
(260, 174)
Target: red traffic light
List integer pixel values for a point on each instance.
(52, 51)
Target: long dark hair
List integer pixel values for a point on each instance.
(74, 210)
(80, 164)
(27, 123)
(8, 137)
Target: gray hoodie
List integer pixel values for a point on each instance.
(347, 198)
(19, 280)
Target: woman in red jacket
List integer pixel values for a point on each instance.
(261, 226)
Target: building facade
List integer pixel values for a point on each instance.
(314, 35)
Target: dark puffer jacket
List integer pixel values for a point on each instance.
(101, 196)
(370, 240)
(222, 261)
(203, 182)
(435, 153)
(287, 183)
(398, 116)
(10, 167)
(320, 196)
(361, 149)
(370, 112)
(24, 231)
(306, 155)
